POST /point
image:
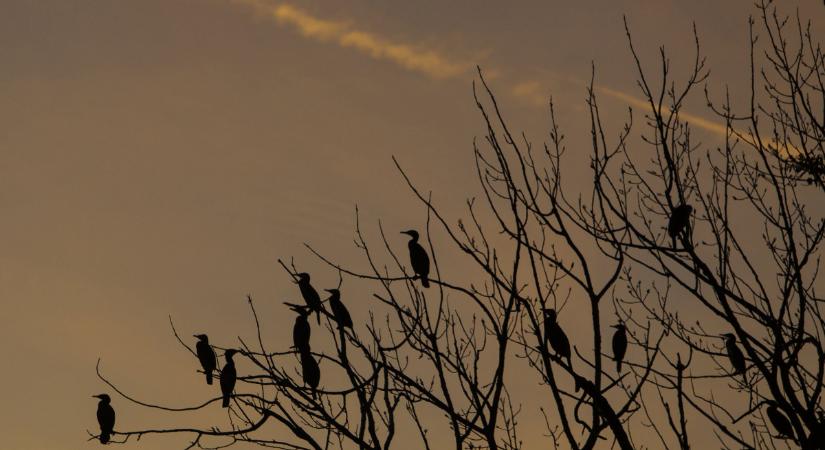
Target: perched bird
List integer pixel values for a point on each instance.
(105, 417)
(418, 258)
(737, 359)
(555, 335)
(310, 369)
(557, 339)
(619, 345)
(339, 311)
(228, 377)
(301, 330)
(679, 219)
(206, 356)
(779, 421)
(310, 295)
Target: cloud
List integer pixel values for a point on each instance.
(408, 56)
(531, 91)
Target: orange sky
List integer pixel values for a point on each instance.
(158, 156)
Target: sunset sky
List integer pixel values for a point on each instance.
(158, 156)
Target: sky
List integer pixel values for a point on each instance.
(158, 156)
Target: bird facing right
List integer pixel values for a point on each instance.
(228, 377)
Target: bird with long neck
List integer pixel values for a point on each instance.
(419, 259)
(105, 417)
(557, 338)
(206, 356)
(310, 295)
(301, 330)
(339, 311)
(228, 377)
(737, 359)
(619, 345)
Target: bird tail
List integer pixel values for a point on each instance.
(104, 437)
(208, 377)
(226, 401)
(425, 282)
(318, 315)
(618, 366)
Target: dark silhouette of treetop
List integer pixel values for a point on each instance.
(716, 329)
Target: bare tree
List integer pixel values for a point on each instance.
(669, 230)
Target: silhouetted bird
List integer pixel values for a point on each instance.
(310, 295)
(228, 377)
(418, 258)
(619, 345)
(105, 417)
(737, 359)
(555, 335)
(310, 370)
(679, 219)
(779, 421)
(557, 339)
(339, 311)
(301, 330)
(206, 356)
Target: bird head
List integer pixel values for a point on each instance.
(229, 353)
(550, 315)
(103, 397)
(619, 326)
(301, 310)
(201, 337)
(729, 337)
(303, 277)
(411, 233)
(335, 292)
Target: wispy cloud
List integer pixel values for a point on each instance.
(406, 55)
(697, 121)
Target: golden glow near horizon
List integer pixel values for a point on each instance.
(158, 156)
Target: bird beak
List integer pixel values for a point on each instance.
(328, 290)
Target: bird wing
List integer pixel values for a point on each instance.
(419, 259)
(106, 417)
(228, 377)
(206, 356)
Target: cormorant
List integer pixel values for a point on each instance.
(558, 339)
(105, 417)
(228, 377)
(339, 311)
(310, 295)
(301, 330)
(619, 345)
(555, 335)
(779, 421)
(418, 258)
(679, 219)
(310, 369)
(737, 359)
(206, 356)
